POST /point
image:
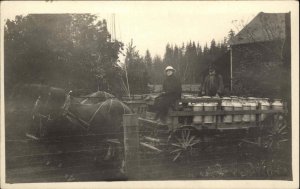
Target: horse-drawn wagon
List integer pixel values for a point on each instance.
(195, 124)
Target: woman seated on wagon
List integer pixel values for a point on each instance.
(171, 92)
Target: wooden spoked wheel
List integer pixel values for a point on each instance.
(184, 143)
(277, 136)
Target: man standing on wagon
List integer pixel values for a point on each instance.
(213, 83)
(170, 93)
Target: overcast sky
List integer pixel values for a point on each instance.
(152, 25)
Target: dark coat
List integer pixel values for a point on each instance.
(172, 87)
(213, 84)
(171, 92)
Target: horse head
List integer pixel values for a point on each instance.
(48, 106)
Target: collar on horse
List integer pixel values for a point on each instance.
(76, 119)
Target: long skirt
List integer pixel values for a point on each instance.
(162, 105)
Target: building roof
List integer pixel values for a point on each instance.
(263, 27)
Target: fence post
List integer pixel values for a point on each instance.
(131, 145)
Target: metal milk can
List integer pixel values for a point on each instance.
(277, 104)
(246, 106)
(227, 106)
(253, 106)
(264, 105)
(209, 106)
(237, 105)
(197, 107)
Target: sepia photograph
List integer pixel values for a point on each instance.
(149, 94)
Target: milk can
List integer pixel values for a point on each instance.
(264, 105)
(237, 105)
(227, 106)
(277, 104)
(246, 106)
(209, 106)
(197, 107)
(253, 106)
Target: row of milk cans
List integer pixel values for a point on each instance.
(235, 103)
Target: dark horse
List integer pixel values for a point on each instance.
(58, 114)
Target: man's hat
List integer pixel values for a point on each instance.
(170, 68)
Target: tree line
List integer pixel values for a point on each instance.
(190, 60)
(71, 51)
(76, 51)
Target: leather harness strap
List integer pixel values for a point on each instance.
(93, 116)
(72, 117)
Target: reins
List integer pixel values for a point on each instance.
(72, 116)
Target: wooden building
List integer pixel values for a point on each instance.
(258, 62)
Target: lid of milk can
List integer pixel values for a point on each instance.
(251, 103)
(247, 103)
(198, 104)
(277, 102)
(210, 103)
(266, 99)
(260, 99)
(265, 103)
(242, 99)
(252, 100)
(226, 101)
(236, 103)
(216, 98)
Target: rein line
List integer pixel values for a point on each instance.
(67, 112)
(93, 116)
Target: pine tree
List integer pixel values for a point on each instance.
(231, 35)
(136, 70)
(148, 61)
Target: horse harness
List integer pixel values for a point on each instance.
(73, 118)
(77, 120)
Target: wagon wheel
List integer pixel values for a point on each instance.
(277, 135)
(184, 143)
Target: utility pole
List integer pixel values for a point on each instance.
(230, 49)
